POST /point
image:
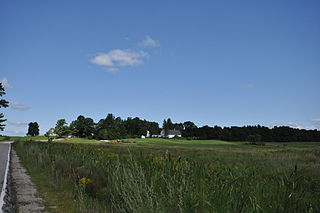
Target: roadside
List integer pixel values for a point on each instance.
(44, 192)
(27, 196)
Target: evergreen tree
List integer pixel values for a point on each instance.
(170, 125)
(165, 127)
(3, 103)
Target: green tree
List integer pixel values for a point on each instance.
(61, 128)
(49, 134)
(82, 127)
(3, 103)
(165, 127)
(170, 125)
(33, 129)
(110, 128)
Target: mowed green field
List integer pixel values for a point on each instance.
(169, 175)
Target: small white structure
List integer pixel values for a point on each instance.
(143, 137)
(171, 134)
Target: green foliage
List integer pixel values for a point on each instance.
(82, 127)
(116, 128)
(113, 127)
(234, 133)
(112, 179)
(49, 134)
(61, 129)
(33, 129)
(3, 103)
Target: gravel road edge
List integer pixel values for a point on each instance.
(27, 198)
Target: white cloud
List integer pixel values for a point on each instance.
(5, 83)
(17, 124)
(119, 58)
(18, 106)
(315, 119)
(149, 42)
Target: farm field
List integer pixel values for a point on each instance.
(162, 175)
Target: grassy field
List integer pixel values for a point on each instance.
(161, 175)
(20, 138)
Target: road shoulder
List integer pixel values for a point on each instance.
(27, 196)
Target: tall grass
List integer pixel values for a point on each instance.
(125, 181)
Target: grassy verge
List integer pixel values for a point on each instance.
(57, 193)
(116, 178)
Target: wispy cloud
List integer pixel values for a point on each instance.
(149, 42)
(315, 120)
(119, 58)
(17, 124)
(14, 132)
(5, 83)
(18, 106)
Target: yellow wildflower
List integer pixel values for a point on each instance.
(85, 180)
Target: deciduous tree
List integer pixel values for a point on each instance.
(61, 128)
(33, 129)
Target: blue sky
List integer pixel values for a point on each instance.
(212, 62)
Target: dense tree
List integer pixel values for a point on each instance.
(82, 127)
(136, 127)
(189, 125)
(189, 129)
(113, 127)
(33, 129)
(277, 134)
(170, 125)
(3, 103)
(110, 128)
(153, 127)
(61, 129)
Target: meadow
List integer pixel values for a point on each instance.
(161, 175)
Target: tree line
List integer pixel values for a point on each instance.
(108, 128)
(113, 127)
(249, 133)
